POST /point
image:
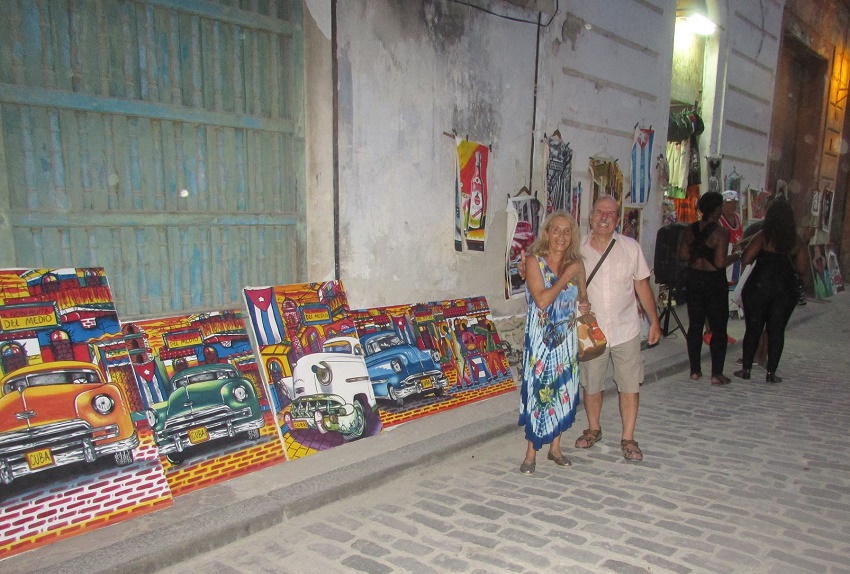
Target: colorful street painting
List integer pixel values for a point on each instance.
(211, 413)
(432, 357)
(72, 455)
(826, 274)
(471, 193)
(314, 363)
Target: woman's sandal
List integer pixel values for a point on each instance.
(559, 459)
(695, 376)
(631, 451)
(589, 437)
(720, 380)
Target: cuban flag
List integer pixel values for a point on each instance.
(264, 315)
(152, 391)
(641, 180)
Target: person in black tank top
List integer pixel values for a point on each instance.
(704, 246)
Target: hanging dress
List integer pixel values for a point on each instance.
(549, 394)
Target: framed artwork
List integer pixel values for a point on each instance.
(826, 209)
(816, 199)
(826, 275)
(833, 269)
(757, 202)
(632, 221)
(606, 178)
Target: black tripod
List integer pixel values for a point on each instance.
(668, 310)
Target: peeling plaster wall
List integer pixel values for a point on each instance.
(739, 86)
(601, 72)
(318, 129)
(409, 71)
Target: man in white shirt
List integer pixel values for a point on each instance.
(622, 274)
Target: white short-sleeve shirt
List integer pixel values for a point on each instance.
(612, 291)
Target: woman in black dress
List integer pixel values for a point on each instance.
(770, 293)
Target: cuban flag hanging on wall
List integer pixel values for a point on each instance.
(641, 176)
(264, 315)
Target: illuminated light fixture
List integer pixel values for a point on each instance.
(695, 16)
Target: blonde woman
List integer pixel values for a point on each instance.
(555, 285)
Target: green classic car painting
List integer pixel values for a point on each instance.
(207, 402)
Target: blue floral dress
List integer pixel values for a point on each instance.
(549, 393)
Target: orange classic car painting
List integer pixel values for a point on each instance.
(58, 413)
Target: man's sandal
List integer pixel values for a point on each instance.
(631, 450)
(589, 437)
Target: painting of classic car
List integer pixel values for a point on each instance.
(206, 403)
(58, 413)
(331, 391)
(399, 370)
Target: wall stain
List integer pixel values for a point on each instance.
(571, 28)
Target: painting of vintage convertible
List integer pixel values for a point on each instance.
(58, 413)
(399, 370)
(206, 403)
(331, 391)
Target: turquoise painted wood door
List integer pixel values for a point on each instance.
(162, 140)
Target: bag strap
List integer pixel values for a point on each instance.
(604, 255)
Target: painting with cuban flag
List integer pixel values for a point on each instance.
(642, 165)
(312, 359)
(265, 316)
(211, 412)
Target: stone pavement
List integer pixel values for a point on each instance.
(745, 478)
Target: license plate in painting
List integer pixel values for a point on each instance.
(39, 458)
(198, 435)
(299, 425)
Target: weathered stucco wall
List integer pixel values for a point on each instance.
(601, 74)
(410, 71)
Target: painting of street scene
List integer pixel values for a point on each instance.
(315, 365)
(210, 411)
(429, 357)
(72, 456)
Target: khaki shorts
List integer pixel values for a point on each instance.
(628, 368)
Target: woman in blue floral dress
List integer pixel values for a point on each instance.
(555, 289)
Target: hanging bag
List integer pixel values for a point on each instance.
(591, 339)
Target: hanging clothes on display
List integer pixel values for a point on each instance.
(523, 222)
(713, 173)
(559, 172)
(677, 161)
(641, 176)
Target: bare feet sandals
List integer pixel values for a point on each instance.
(631, 450)
(588, 438)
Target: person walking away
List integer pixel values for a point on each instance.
(731, 220)
(704, 246)
(555, 285)
(770, 293)
(621, 275)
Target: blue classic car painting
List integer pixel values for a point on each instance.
(399, 370)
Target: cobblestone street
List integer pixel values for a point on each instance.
(749, 477)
